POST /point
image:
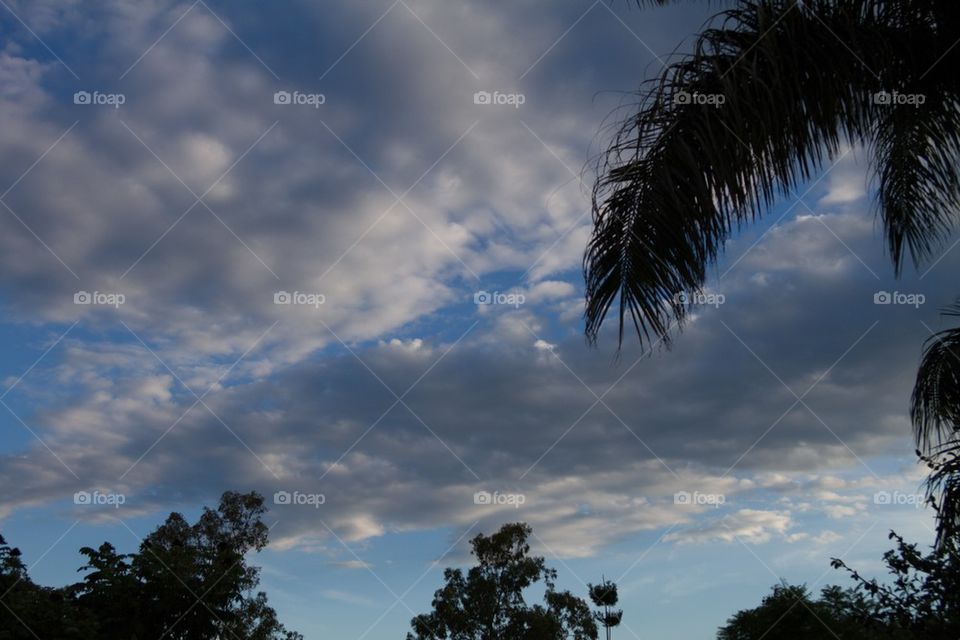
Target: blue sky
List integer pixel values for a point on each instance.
(395, 199)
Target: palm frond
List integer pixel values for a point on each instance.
(795, 81)
(935, 404)
(943, 490)
(916, 152)
(935, 413)
(716, 139)
(916, 140)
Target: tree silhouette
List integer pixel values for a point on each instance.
(488, 602)
(604, 596)
(111, 592)
(186, 582)
(790, 613)
(28, 610)
(936, 416)
(784, 84)
(921, 598)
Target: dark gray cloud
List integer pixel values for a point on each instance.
(507, 406)
(513, 409)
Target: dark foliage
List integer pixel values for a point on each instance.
(919, 600)
(488, 602)
(784, 84)
(791, 613)
(935, 411)
(186, 582)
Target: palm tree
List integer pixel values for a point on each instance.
(935, 410)
(771, 93)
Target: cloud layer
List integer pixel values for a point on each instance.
(397, 200)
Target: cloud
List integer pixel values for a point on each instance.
(397, 398)
(745, 525)
(846, 183)
(838, 511)
(351, 564)
(293, 200)
(827, 537)
(349, 598)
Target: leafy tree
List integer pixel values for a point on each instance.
(790, 613)
(604, 596)
(488, 602)
(195, 577)
(28, 611)
(921, 600)
(187, 582)
(111, 592)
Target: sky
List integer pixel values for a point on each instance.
(331, 252)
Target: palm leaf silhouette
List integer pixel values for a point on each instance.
(771, 93)
(797, 81)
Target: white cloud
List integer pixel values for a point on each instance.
(752, 526)
(846, 182)
(301, 412)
